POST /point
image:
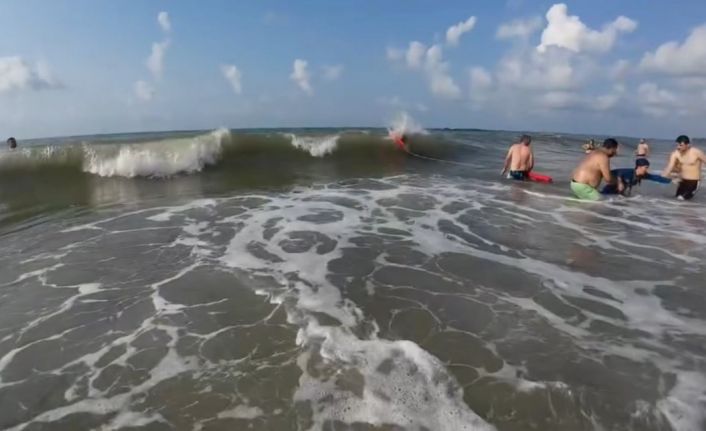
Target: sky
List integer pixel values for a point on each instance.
(629, 67)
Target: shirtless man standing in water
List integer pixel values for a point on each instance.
(519, 159)
(643, 149)
(594, 167)
(690, 161)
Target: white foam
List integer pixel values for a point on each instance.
(403, 398)
(420, 398)
(413, 391)
(404, 124)
(157, 159)
(317, 146)
(685, 406)
(241, 412)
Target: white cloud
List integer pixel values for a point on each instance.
(559, 99)
(394, 54)
(232, 74)
(300, 75)
(656, 101)
(155, 62)
(686, 59)
(430, 62)
(606, 102)
(16, 75)
(481, 86)
(164, 23)
(454, 33)
(442, 85)
(553, 71)
(144, 91)
(620, 70)
(568, 32)
(480, 79)
(519, 28)
(415, 54)
(332, 73)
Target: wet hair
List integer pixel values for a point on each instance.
(526, 138)
(12, 142)
(610, 144)
(642, 162)
(682, 139)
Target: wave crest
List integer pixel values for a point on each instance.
(316, 146)
(157, 159)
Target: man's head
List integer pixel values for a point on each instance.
(525, 139)
(12, 143)
(641, 167)
(682, 143)
(610, 146)
(642, 141)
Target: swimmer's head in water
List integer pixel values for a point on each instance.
(12, 143)
(610, 146)
(525, 139)
(641, 167)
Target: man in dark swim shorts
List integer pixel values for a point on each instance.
(519, 159)
(519, 175)
(690, 160)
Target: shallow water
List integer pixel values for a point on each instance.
(367, 290)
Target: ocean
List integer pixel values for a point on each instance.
(322, 279)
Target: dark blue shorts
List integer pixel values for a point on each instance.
(519, 175)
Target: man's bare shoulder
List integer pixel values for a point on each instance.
(597, 156)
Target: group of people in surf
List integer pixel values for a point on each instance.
(685, 163)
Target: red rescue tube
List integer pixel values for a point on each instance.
(540, 178)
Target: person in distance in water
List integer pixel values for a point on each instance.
(593, 168)
(689, 161)
(11, 143)
(519, 159)
(589, 146)
(629, 177)
(643, 149)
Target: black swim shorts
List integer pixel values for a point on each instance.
(687, 189)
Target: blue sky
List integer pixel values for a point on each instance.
(82, 66)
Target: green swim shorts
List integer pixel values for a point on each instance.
(585, 192)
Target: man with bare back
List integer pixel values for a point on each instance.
(593, 168)
(519, 159)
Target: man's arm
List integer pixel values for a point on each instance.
(647, 150)
(507, 160)
(670, 165)
(531, 160)
(658, 178)
(609, 176)
(604, 166)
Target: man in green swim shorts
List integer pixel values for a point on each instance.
(594, 167)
